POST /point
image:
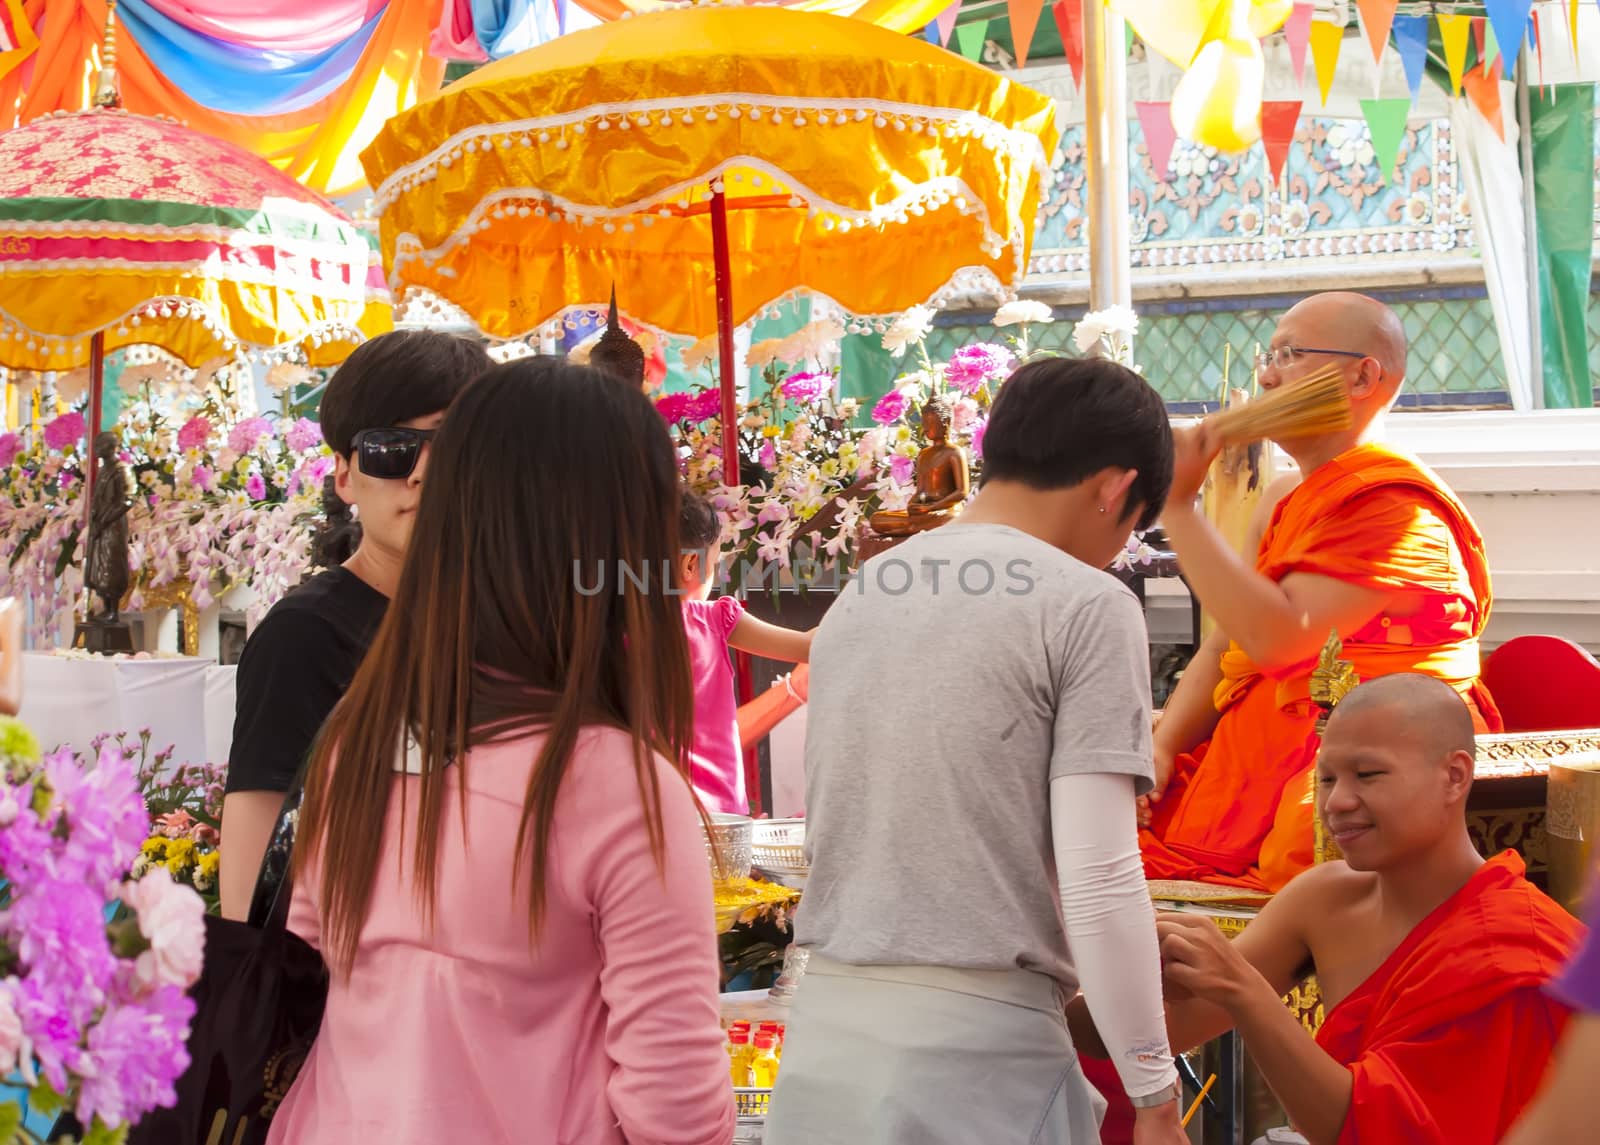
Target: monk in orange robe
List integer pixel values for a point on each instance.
(1431, 962)
(1370, 543)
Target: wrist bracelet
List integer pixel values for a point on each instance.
(788, 686)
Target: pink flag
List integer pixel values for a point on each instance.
(1159, 136)
(1298, 29)
(947, 20)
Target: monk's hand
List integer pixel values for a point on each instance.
(1194, 448)
(1198, 961)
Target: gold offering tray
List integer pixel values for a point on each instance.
(745, 900)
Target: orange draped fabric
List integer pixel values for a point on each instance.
(1448, 1039)
(1238, 810)
(319, 145)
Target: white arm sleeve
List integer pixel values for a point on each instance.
(1110, 922)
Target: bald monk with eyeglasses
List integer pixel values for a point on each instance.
(1369, 542)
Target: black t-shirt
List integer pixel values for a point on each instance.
(295, 667)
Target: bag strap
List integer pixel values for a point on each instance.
(269, 904)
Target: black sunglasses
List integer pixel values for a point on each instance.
(389, 454)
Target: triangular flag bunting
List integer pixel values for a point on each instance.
(1386, 119)
(1127, 37)
(1453, 32)
(1411, 39)
(931, 33)
(1572, 17)
(1278, 120)
(1024, 21)
(1508, 20)
(1490, 46)
(1159, 136)
(946, 21)
(1376, 16)
(1069, 22)
(1298, 30)
(1326, 40)
(1538, 51)
(1484, 91)
(970, 38)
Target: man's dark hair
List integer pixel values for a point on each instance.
(397, 377)
(1059, 421)
(698, 526)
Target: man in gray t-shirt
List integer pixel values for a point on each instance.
(957, 676)
(979, 730)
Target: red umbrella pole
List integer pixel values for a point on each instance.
(722, 269)
(97, 379)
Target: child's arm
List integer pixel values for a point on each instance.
(759, 638)
(759, 716)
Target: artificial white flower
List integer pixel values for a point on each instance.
(763, 353)
(911, 326)
(171, 918)
(700, 353)
(849, 407)
(72, 385)
(1113, 321)
(285, 376)
(579, 354)
(1023, 311)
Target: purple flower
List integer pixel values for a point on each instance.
(10, 446)
(195, 433)
(245, 436)
(255, 488)
(304, 434)
(977, 437)
(807, 386)
(902, 468)
(138, 1050)
(768, 457)
(704, 406)
(890, 408)
(68, 429)
(973, 365)
(201, 478)
(311, 474)
(673, 407)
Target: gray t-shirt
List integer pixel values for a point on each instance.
(950, 682)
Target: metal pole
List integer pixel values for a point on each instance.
(1105, 107)
(1530, 226)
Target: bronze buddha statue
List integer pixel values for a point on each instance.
(943, 481)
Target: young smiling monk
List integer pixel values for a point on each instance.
(1430, 961)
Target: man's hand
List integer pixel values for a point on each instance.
(1193, 450)
(1159, 1125)
(1197, 961)
(1164, 763)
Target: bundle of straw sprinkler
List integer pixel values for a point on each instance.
(1319, 404)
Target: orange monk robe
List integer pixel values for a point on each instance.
(1235, 811)
(1448, 1039)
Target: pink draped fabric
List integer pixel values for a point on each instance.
(456, 38)
(281, 25)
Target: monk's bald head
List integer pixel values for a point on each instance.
(1422, 709)
(1340, 320)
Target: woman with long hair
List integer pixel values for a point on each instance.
(497, 856)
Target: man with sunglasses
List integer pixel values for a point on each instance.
(1369, 542)
(378, 414)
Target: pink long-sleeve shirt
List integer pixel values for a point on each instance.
(604, 1031)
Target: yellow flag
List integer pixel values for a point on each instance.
(1453, 31)
(1326, 39)
(1572, 17)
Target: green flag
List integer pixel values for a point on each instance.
(1386, 119)
(970, 38)
(1562, 127)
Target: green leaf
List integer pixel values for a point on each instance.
(10, 1122)
(100, 1134)
(44, 1099)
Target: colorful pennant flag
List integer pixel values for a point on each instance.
(1376, 16)
(1298, 30)
(1069, 22)
(1483, 89)
(1326, 39)
(1278, 120)
(1411, 39)
(1159, 136)
(1508, 20)
(1572, 17)
(1453, 32)
(946, 21)
(1024, 22)
(970, 38)
(1488, 44)
(1386, 119)
(930, 32)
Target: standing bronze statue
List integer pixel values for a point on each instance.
(105, 559)
(943, 481)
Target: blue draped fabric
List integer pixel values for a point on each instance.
(237, 78)
(506, 27)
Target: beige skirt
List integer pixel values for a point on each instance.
(919, 1055)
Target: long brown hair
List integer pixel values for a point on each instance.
(541, 475)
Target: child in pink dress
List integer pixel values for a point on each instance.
(721, 727)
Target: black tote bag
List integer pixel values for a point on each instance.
(258, 1006)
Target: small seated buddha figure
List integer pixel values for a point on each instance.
(942, 480)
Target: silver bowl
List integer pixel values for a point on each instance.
(729, 836)
(778, 851)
